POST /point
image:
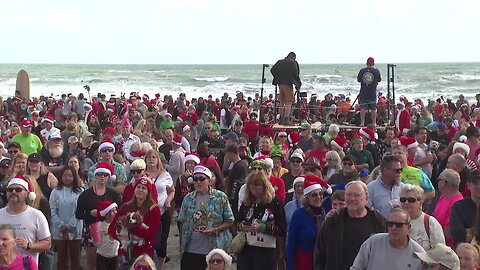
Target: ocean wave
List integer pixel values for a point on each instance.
(461, 77)
(119, 71)
(211, 79)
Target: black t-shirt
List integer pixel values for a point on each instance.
(165, 150)
(288, 179)
(88, 201)
(368, 78)
(356, 231)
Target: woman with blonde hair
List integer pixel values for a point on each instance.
(333, 165)
(218, 259)
(19, 164)
(262, 218)
(46, 180)
(265, 146)
(468, 255)
(143, 262)
(165, 194)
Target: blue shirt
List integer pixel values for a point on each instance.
(382, 198)
(63, 204)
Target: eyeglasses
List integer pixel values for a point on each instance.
(199, 178)
(104, 150)
(135, 171)
(257, 169)
(399, 170)
(398, 225)
(13, 151)
(16, 189)
(408, 199)
(215, 261)
(102, 174)
(295, 160)
(346, 163)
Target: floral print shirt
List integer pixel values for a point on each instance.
(218, 211)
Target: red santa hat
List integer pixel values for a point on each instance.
(192, 157)
(177, 139)
(144, 180)
(408, 142)
(282, 132)
(185, 128)
(266, 159)
(460, 145)
(368, 134)
(338, 142)
(103, 208)
(293, 138)
(104, 167)
(313, 182)
(167, 114)
(109, 130)
(87, 106)
(49, 118)
(22, 181)
(133, 94)
(26, 123)
(157, 95)
(105, 144)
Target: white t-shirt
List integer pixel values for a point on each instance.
(161, 183)
(419, 234)
(107, 247)
(31, 224)
(223, 114)
(423, 152)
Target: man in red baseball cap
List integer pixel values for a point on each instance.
(368, 77)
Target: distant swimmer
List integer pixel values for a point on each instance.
(286, 73)
(368, 78)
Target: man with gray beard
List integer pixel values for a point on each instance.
(53, 155)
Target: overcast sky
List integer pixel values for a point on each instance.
(238, 32)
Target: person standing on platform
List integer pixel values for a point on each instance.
(286, 73)
(369, 78)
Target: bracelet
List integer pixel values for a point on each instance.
(28, 246)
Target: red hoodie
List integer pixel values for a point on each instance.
(252, 128)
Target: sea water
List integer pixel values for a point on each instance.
(424, 80)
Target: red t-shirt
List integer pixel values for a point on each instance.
(279, 187)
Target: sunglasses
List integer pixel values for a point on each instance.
(399, 170)
(13, 151)
(215, 261)
(295, 160)
(282, 136)
(104, 150)
(257, 169)
(17, 189)
(199, 178)
(316, 194)
(238, 124)
(102, 174)
(398, 225)
(135, 171)
(142, 267)
(408, 199)
(347, 163)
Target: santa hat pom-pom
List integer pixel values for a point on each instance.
(329, 190)
(462, 139)
(113, 177)
(190, 180)
(32, 196)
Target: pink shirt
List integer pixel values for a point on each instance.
(17, 264)
(442, 210)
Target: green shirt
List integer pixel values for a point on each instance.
(30, 144)
(164, 125)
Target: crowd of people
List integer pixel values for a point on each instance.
(109, 177)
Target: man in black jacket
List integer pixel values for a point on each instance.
(286, 73)
(343, 232)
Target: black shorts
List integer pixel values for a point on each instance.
(367, 104)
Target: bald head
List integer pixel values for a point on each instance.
(456, 162)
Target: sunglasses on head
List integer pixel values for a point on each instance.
(398, 225)
(215, 261)
(135, 171)
(199, 178)
(295, 160)
(104, 150)
(16, 189)
(102, 174)
(408, 199)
